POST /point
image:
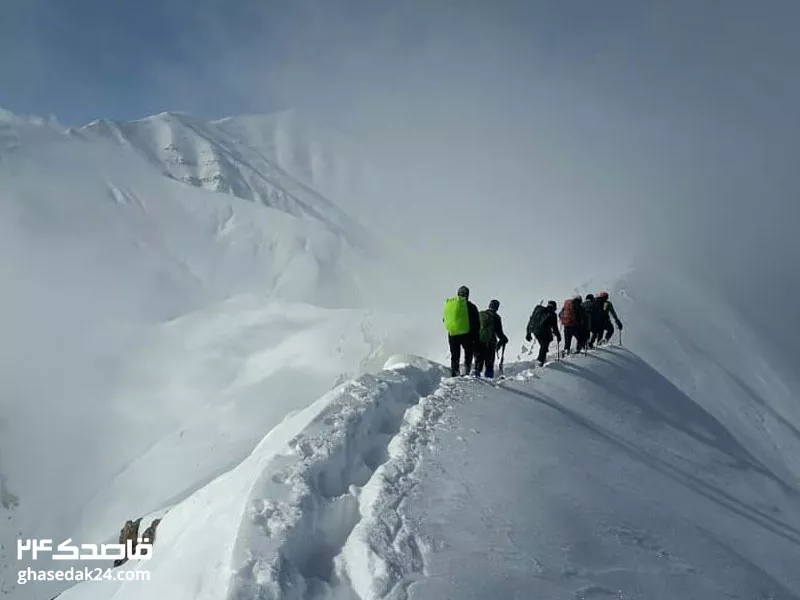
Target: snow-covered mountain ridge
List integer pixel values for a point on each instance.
(169, 351)
(155, 331)
(263, 159)
(653, 470)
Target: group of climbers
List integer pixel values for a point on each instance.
(588, 321)
(480, 334)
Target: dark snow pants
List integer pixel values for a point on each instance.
(579, 333)
(597, 335)
(544, 346)
(457, 342)
(602, 334)
(484, 357)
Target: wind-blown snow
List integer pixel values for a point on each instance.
(644, 471)
(184, 343)
(597, 480)
(287, 509)
(154, 333)
(306, 149)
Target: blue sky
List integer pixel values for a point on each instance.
(83, 59)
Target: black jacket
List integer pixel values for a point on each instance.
(588, 314)
(474, 321)
(602, 313)
(551, 325)
(611, 313)
(598, 317)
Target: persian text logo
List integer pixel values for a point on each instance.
(66, 551)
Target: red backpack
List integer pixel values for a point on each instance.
(567, 314)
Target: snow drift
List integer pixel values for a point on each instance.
(663, 469)
(171, 345)
(154, 332)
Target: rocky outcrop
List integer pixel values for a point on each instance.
(130, 531)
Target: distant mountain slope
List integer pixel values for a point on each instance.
(310, 151)
(252, 158)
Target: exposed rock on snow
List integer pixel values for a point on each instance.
(130, 532)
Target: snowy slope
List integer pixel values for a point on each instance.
(170, 351)
(258, 159)
(665, 469)
(310, 151)
(153, 333)
(598, 480)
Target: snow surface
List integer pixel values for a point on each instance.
(154, 332)
(171, 353)
(598, 476)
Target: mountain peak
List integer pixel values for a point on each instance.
(268, 159)
(164, 116)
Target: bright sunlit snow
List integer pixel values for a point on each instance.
(595, 477)
(192, 332)
(155, 332)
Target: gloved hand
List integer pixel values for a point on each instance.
(619, 325)
(528, 337)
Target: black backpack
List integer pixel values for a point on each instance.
(598, 312)
(536, 324)
(488, 334)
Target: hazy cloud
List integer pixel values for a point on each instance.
(518, 145)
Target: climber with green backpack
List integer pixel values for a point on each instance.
(462, 323)
(490, 339)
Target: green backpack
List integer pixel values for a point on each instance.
(456, 316)
(537, 320)
(488, 334)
